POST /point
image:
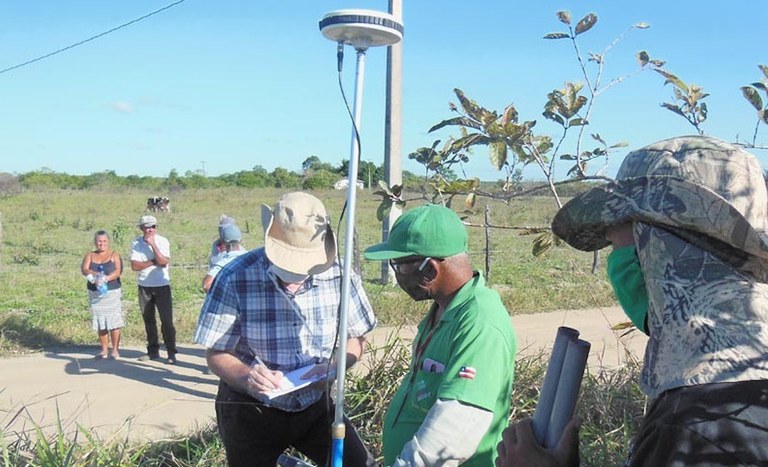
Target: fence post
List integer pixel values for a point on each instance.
(488, 243)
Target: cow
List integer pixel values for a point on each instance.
(158, 204)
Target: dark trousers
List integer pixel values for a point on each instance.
(158, 298)
(706, 425)
(254, 435)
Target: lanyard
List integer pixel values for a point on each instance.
(424, 340)
(421, 347)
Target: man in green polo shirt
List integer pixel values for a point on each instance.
(454, 402)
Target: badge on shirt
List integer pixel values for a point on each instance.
(432, 366)
(467, 372)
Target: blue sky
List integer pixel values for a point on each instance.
(227, 85)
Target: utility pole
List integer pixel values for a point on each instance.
(393, 158)
(203, 164)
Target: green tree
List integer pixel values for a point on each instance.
(320, 180)
(283, 178)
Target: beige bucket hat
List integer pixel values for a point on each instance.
(298, 235)
(704, 190)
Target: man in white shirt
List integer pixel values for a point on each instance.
(151, 257)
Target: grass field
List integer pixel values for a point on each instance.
(43, 303)
(45, 234)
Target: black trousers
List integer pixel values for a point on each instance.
(158, 298)
(254, 435)
(706, 425)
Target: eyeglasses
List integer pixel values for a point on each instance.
(150, 226)
(398, 267)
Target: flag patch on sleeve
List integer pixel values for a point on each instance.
(467, 372)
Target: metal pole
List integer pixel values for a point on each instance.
(337, 430)
(393, 159)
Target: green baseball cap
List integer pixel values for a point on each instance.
(430, 230)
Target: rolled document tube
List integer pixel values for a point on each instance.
(567, 390)
(543, 412)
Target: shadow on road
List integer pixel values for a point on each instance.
(179, 377)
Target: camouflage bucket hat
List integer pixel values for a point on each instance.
(709, 192)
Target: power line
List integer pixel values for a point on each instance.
(76, 44)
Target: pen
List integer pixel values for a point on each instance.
(259, 360)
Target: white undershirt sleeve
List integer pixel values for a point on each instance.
(448, 436)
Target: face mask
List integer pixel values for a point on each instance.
(628, 284)
(288, 277)
(412, 285)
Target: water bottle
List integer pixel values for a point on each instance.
(101, 281)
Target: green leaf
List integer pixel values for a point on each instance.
(564, 16)
(702, 112)
(470, 201)
(470, 107)
(586, 23)
(383, 185)
(760, 86)
(596, 137)
(763, 114)
(620, 144)
(557, 35)
(580, 102)
(554, 117)
(642, 25)
(567, 157)
(673, 108)
(497, 152)
(577, 169)
(543, 144)
(643, 58)
(460, 121)
(467, 141)
(751, 95)
(542, 243)
(674, 80)
(577, 122)
(764, 69)
(383, 210)
(657, 63)
(597, 58)
(510, 115)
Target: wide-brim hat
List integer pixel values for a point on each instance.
(298, 235)
(709, 192)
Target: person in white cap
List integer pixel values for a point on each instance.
(230, 238)
(271, 311)
(219, 246)
(151, 259)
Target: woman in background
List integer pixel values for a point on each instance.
(107, 309)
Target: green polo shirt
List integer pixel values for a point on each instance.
(469, 357)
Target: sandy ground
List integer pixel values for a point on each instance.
(128, 399)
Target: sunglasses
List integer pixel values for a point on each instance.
(398, 267)
(150, 226)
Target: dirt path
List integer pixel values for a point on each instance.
(153, 400)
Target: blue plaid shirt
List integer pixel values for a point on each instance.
(248, 313)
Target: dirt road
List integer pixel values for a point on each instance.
(153, 400)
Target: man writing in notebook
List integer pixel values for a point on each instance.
(271, 311)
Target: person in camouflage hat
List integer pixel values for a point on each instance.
(687, 221)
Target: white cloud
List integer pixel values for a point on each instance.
(122, 107)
